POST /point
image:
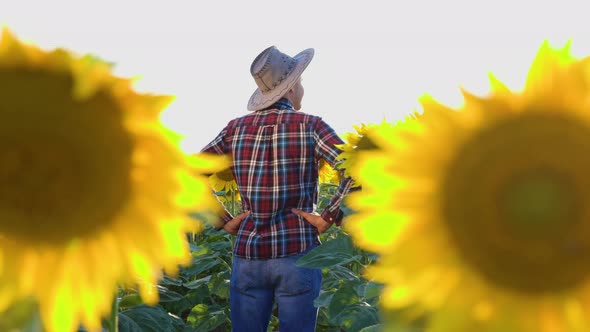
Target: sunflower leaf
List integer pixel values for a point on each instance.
(152, 319)
(126, 324)
(338, 251)
(197, 283)
(342, 298)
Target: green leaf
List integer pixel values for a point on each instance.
(338, 251)
(126, 324)
(324, 299)
(197, 250)
(178, 308)
(372, 290)
(373, 328)
(205, 318)
(153, 319)
(199, 295)
(222, 246)
(342, 273)
(198, 283)
(219, 286)
(129, 301)
(342, 243)
(200, 266)
(167, 295)
(325, 260)
(342, 298)
(167, 281)
(359, 288)
(322, 203)
(200, 310)
(356, 316)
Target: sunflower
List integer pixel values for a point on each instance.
(355, 141)
(223, 181)
(361, 141)
(95, 191)
(480, 215)
(327, 174)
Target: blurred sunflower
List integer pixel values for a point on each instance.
(95, 191)
(355, 141)
(361, 141)
(480, 215)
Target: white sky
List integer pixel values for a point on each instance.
(373, 58)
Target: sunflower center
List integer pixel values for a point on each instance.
(365, 143)
(537, 201)
(226, 175)
(38, 178)
(64, 164)
(515, 202)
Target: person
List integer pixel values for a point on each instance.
(275, 153)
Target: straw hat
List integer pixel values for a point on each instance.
(275, 73)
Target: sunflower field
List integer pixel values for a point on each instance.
(473, 219)
(106, 223)
(198, 298)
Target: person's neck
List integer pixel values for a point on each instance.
(283, 103)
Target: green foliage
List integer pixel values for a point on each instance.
(149, 319)
(347, 301)
(198, 298)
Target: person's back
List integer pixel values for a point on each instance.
(275, 155)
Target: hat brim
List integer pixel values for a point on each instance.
(259, 101)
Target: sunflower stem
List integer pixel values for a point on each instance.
(114, 319)
(233, 203)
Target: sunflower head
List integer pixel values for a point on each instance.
(365, 139)
(223, 181)
(355, 142)
(95, 191)
(327, 174)
(483, 209)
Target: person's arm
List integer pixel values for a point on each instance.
(327, 139)
(217, 146)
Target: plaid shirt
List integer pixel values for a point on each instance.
(276, 152)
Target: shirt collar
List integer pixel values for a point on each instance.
(282, 104)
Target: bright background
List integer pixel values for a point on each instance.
(373, 58)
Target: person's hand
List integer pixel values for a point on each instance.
(315, 219)
(233, 225)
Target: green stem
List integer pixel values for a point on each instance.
(233, 203)
(114, 319)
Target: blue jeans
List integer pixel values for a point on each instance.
(256, 283)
